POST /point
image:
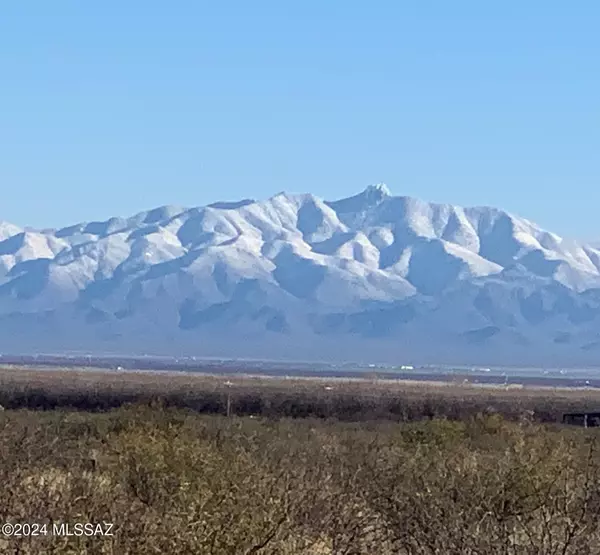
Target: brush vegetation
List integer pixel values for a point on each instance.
(174, 480)
(360, 399)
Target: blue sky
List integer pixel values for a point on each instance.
(109, 108)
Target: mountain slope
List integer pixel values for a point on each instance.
(373, 275)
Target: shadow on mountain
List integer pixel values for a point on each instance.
(247, 303)
(12, 244)
(427, 274)
(488, 304)
(378, 322)
(229, 314)
(298, 276)
(31, 279)
(103, 229)
(232, 205)
(481, 335)
(333, 244)
(563, 338)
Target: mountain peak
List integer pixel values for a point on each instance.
(377, 191)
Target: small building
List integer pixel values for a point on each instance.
(585, 419)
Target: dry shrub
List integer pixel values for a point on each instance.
(173, 481)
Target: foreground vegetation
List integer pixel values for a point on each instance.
(299, 467)
(176, 482)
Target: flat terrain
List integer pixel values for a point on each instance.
(351, 399)
(550, 377)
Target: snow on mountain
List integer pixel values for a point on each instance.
(371, 275)
(8, 230)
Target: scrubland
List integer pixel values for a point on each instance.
(299, 467)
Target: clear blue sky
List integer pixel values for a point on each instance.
(112, 107)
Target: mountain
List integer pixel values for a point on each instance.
(371, 277)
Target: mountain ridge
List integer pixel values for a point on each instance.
(372, 274)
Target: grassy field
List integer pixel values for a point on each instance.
(370, 468)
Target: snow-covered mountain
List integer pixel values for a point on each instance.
(373, 276)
